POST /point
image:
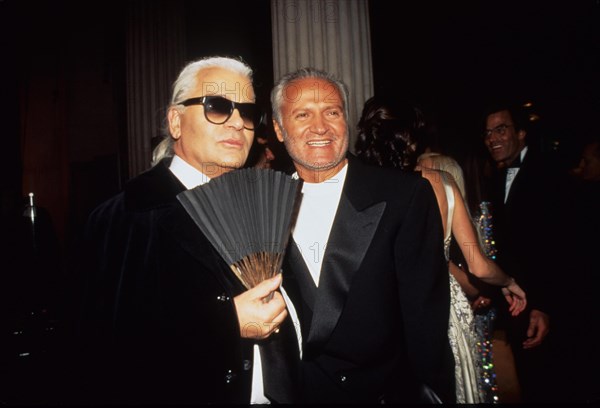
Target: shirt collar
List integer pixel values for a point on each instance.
(189, 176)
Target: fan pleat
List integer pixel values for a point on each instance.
(246, 215)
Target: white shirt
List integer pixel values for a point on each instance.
(511, 173)
(315, 219)
(311, 231)
(191, 177)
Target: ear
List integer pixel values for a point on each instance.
(174, 117)
(278, 131)
(521, 134)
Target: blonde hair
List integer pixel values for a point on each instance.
(447, 164)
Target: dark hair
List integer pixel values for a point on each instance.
(390, 133)
(517, 113)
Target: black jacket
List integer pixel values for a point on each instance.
(376, 328)
(159, 322)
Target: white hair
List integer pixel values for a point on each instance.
(185, 83)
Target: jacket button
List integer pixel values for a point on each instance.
(223, 297)
(230, 376)
(247, 365)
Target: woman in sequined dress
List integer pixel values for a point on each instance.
(388, 136)
(484, 311)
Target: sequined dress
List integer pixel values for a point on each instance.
(461, 328)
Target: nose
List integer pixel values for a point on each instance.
(491, 137)
(235, 120)
(318, 125)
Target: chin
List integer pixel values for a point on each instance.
(234, 162)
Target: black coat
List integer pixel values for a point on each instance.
(377, 326)
(159, 323)
(527, 229)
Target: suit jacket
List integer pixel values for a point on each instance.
(159, 320)
(376, 328)
(525, 227)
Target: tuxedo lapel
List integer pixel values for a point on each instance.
(302, 275)
(520, 182)
(350, 237)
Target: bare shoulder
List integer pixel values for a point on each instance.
(434, 177)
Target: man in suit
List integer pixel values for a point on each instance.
(165, 320)
(525, 211)
(366, 271)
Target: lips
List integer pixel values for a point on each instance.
(232, 142)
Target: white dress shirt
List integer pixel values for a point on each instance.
(311, 231)
(315, 219)
(511, 173)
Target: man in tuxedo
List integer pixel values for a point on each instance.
(525, 211)
(165, 321)
(365, 270)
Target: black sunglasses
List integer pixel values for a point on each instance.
(218, 110)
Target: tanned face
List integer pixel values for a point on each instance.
(314, 128)
(502, 139)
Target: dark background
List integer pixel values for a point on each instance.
(450, 57)
(67, 60)
(454, 57)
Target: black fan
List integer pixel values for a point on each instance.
(246, 214)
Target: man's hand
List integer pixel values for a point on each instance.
(258, 317)
(539, 325)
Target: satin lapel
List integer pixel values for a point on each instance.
(350, 237)
(301, 274)
(182, 229)
(299, 286)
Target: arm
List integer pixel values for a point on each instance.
(481, 266)
(473, 292)
(463, 280)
